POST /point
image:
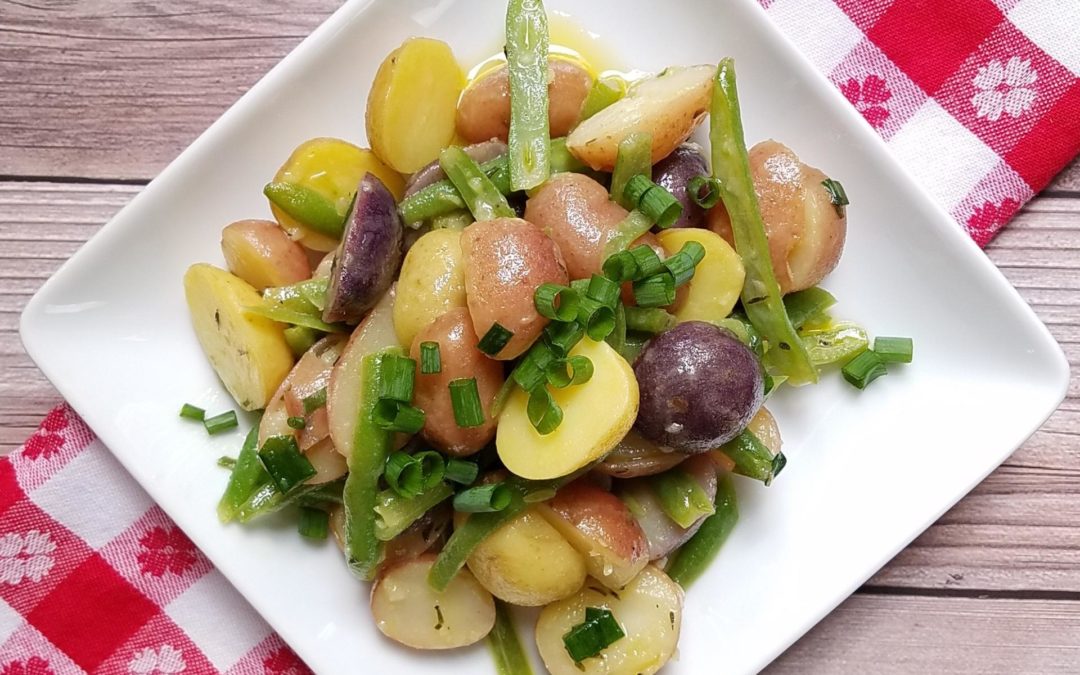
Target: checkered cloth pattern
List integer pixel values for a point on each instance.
(979, 99)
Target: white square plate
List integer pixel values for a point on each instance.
(868, 471)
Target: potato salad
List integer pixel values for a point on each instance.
(518, 350)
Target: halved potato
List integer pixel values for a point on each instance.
(431, 283)
(718, 278)
(248, 352)
(260, 253)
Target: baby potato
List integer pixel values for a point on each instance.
(484, 109)
(412, 102)
(506, 259)
(432, 282)
(407, 610)
(806, 232)
(596, 415)
(599, 525)
(527, 562)
(248, 352)
(460, 358)
(668, 106)
(718, 278)
(260, 253)
(328, 463)
(332, 168)
(636, 456)
(649, 611)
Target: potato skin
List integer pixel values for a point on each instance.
(506, 259)
(460, 358)
(432, 282)
(484, 109)
(674, 172)
(433, 173)
(262, 254)
(636, 456)
(806, 233)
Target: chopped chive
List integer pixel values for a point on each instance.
(621, 267)
(223, 422)
(314, 523)
(314, 401)
(837, 195)
(648, 263)
(681, 266)
(300, 339)
(432, 467)
(651, 320)
(281, 458)
(603, 290)
(530, 371)
(465, 399)
(494, 339)
(561, 338)
(544, 413)
(190, 412)
(555, 302)
(461, 471)
(894, 349)
(430, 358)
(398, 378)
(483, 498)
(394, 415)
(653, 200)
(598, 320)
(863, 369)
(704, 191)
(296, 422)
(655, 291)
(404, 474)
(226, 462)
(592, 636)
(580, 371)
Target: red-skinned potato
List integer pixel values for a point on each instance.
(806, 231)
(262, 254)
(663, 534)
(601, 528)
(484, 109)
(506, 259)
(460, 358)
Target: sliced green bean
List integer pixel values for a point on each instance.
(505, 646)
(634, 158)
(247, 476)
(527, 62)
(840, 342)
(307, 206)
(480, 194)
(695, 556)
(802, 306)
(395, 513)
(752, 458)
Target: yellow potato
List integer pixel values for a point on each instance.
(718, 279)
(596, 415)
(649, 611)
(248, 352)
(413, 103)
(527, 562)
(431, 283)
(333, 168)
(260, 253)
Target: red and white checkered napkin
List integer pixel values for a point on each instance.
(95, 578)
(978, 99)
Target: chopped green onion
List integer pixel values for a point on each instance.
(223, 422)
(480, 194)
(314, 401)
(247, 477)
(442, 198)
(581, 371)
(683, 264)
(894, 349)
(839, 343)
(633, 158)
(296, 422)
(289, 316)
(659, 205)
(598, 320)
(314, 523)
(392, 415)
(300, 339)
(604, 92)
(483, 498)
(526, 52)
(648, 263)
(693, 557)
(398, 378)
(555, 302)
(603, 290)
(494, 340)
(561, 338)
(752, 458)
(226, 462)
(393, 514)
(681, 497)
(466, 538)
(617, 337)
(311, 208)
(592, 636)
(837, 195)
(510, 658)
(465, 399)
(432, 467)
(461, 471)
(627, 232)
(655, 291)
(544, 413)
(651, 320)
(530, 371)
(704, 191)
(863, 369)
(430, 358)
(404, 474)
(620, 267)
(190, 412)
(803, 306)
(284, 463)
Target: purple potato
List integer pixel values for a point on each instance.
(674, 172)
(699, 387)
(433, 173)
(368, 256)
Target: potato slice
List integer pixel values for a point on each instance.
(595, 416)
(718, 278)
(668, 107)
(409, 611)
(432, 282)
(649, 610)
(412, 104)
(248, 352)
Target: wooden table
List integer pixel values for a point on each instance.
(97, 96)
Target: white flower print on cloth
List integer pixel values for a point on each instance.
(1004, 88)
(25, 556)
(164, 659)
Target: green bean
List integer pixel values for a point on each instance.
(839, 342)
(562, 160)
(802, 306)
(527, 62)
(634, 157)
(480, 194)
(313, 210)
(627, 231)
(395, 513)
(752, 459)
(761, 297)
(442, 198)
(617, 337)
(467, 537)
(651, 320)
(693, 557)
(681, 497)
(247, 476)
(503, 640)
